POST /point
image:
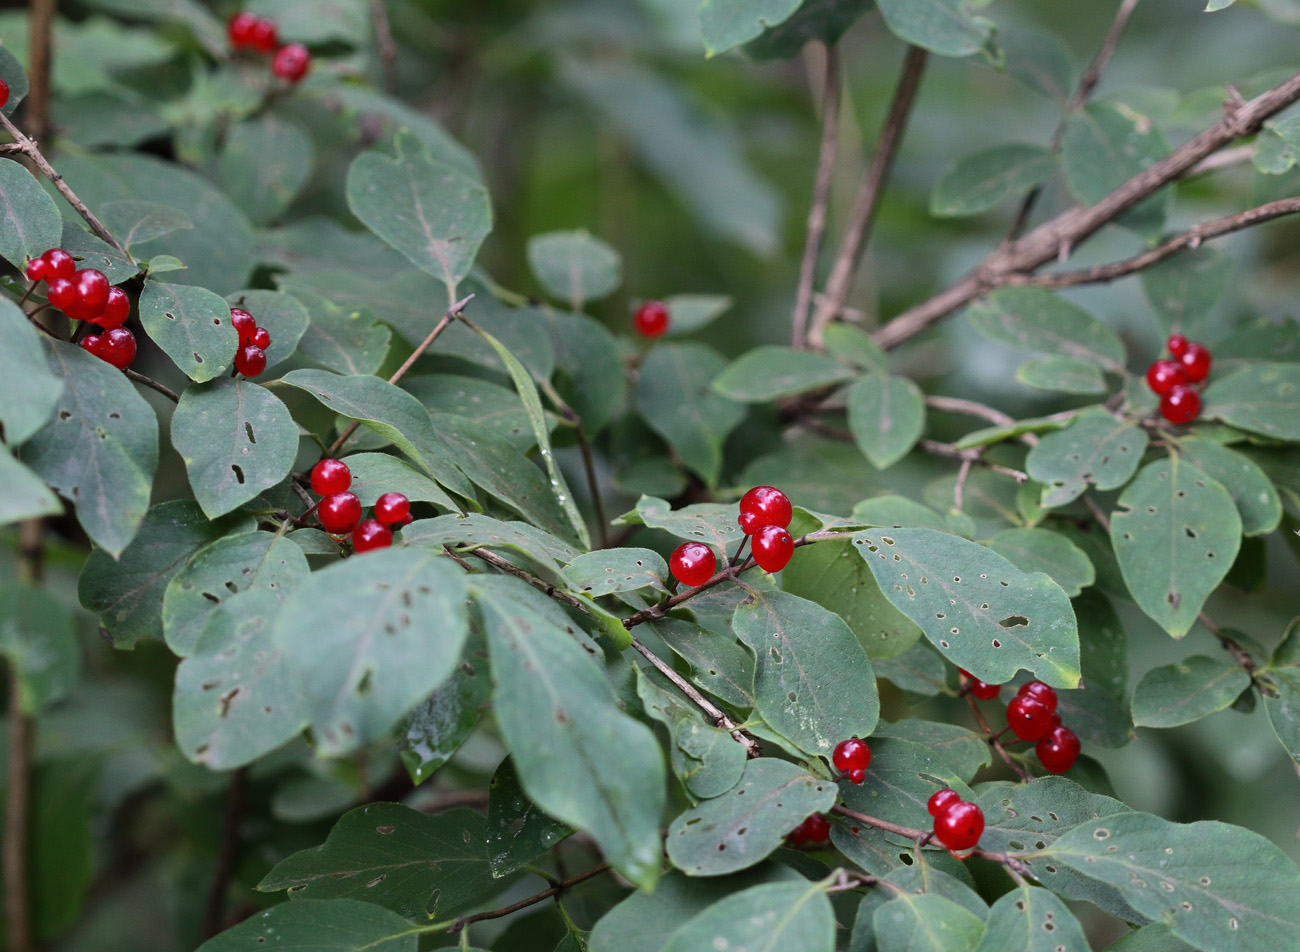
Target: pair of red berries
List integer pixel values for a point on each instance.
(1173, 379)
(958, 823)
(1032, 716)
(339, 511)
(250, 353)
(764, 514)
(814, 831)
(651, 319)
(852, 757)
(248, 31)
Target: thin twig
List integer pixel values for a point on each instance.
(994, 742)
(152, 384)
(228, 850)
(969, 408)
(384, 43)
(959, 487)
(867, 201)
(974, 455)
(533, 900)
(821, 193)
(704, 704)
(1012, 863)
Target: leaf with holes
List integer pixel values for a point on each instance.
(1032, 920)
(712, 523)
(982, 612)
(228, 566)
(284, 317)
(744, 825)
(1040, 321)
(29, 392)
(792, 917)
(1095, 449)
(1251, 489)
(340, 925)
(1175, 535)
(478, 530)
(436, 728)
(30, 222)
(1181, 693)
(926, 923)
(813, 682)
(517, 831)
(236, 439)
(611, 571)
(923, 877)
(719, 663)
(371, 637)
(1105, 662)
(900, 780)
(769, 373)
(1263, 399)
(421, 867)
(39, 644)
(981, 180)
(1061, 375)
(191, 325)
(574, 267)
(728, 23)
(886, 415)
(101, 448)
(1221, 888)
(1046, 551)
(581, 759)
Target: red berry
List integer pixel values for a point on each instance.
(851, 754)
(1039, 692)
(981, 689)
(692, 563)
(92, 294)
(61, 264)
(62, 293)
(118, 347)
(1163, 375)
(339, 513)
(392, 508)
(4, 92)
(814, 831)
(941, 800)
(1059, 749)
(261, 338)
(858, 776)
(330, 476)
(1028, 718)
(772, 548)
(371, 534)
(959, 826)
(263, 37)
(37, 269)
(764, 506)
(250, 360)
(651, 319)
(403, 522)
(244, 323)
(1180, 405)
(1196, 361)
(1177, 344)
(239, 29)
(116, 311)
(291, 62)
(92, 343)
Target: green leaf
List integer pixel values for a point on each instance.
(374, 474)
(704, 757)
(434, 214)
(1061, 375)
(981, 611)
(900, 780)
(1034, 920)
(1284, 709)
(264, 163)
(492, 408)
(517, 831)
(1008, 431)
(1104, 146)
(792, 917)
(590, 373)
(1175, 535)
(127, 593)
(30, 223)
(1154, 937)
(345, 340)
(984, 179)
(1039, 60)
(964, 751)
(920, 669)
(1040, 321)
(1213, 6)
(728, 23)
(1095, 449)
(29, 392)
(26, 495)
(813, 682)
(1253, 492)
(719, 663)
(574, 267)
(581, 759)
(824, 20)
(1105, 643)
(437, 727)
(1181, 693)
(252, 560)
(897, 512)
(923, 877)
(419, 866)
(236, 439)
(689, 313)
(673, 396)
(1219, 887)
(192, 326)
(339, 925)
(283, 316)
(886, 415)
(940, 26)
(926, 923)
(96, 254)
(611, 571)
(15, 77)
(38, 641)
(1183, 290)
(134, 222)
(854, 345)
(770, 372)
(1263, 399)
(62, 859)
(101, 449)
(371, 637)
(712, 523)
(475, 530)
(1046, 551)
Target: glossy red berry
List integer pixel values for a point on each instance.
(1163, 375)
(4, 92)
(261, 338)
(244, 323)
(1058, 749)
(981, 689)
(1039, 692)
(250, 360)
(116, 311)
(118, 347)
(61, 264)
(1180, 405)
(960, 826)
(941, 800)
(692, 563)
(263, 36)
(339, 513)
(764, 506)
(371, 534)
(651, 319)
(1177, 344)
(858, 776)
(92, 343)
(330, 476)
(239, 30)
(1028, 718)
(1196, 361)
(291, 62)
(37, 269)
(92, 294)
(772, 548)
(814, 831)
(851, 754)
(392, 508)
(62, 293)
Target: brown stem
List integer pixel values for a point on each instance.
(704, 704)
(533, 900)
(384, 43)
(215, 914)
(1012, 863)
(935, 448)
(959, 487)
(969, 408)
(816, 228)
(40, 56)
(996, 744)
(152, 384)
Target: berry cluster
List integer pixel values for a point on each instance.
(958, 823)
(1032, 716)
(764, 514)
(852, 757)
(86, 295)
(651, 319)
(250, 355)
(1175, 380)
(248, 31)
(814, 831)
(339, 510)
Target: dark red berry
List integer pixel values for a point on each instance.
(1180, 405)
(339, 513)
(651, 319)
(1196, 361)
(959, 826)
(692, 563)
(92, 294)
(261, 338)
(61, 264)
(37, 269)
(851, 754)
(1163, 375)
(1028, 718)
(92, 343)
(263, 36)
(941, 800)
(116, 311)
(403, 522)
(4, 93)
(981, 689)
(371, 534)
(250, 360)
(1177, 344)
(814, 831)
(330, 476)
(244, 323)
(392, 508)
(772, 548)
(1039, 692)
(1059, 749)
(291, 62)
(62, 293)
(118, 347)
(764, 506)
(858, 776)
(239, 29)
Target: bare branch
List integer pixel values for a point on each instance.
(704, 704)
(821, 192)
(545, 894)
(384, 43)
(152, 384)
